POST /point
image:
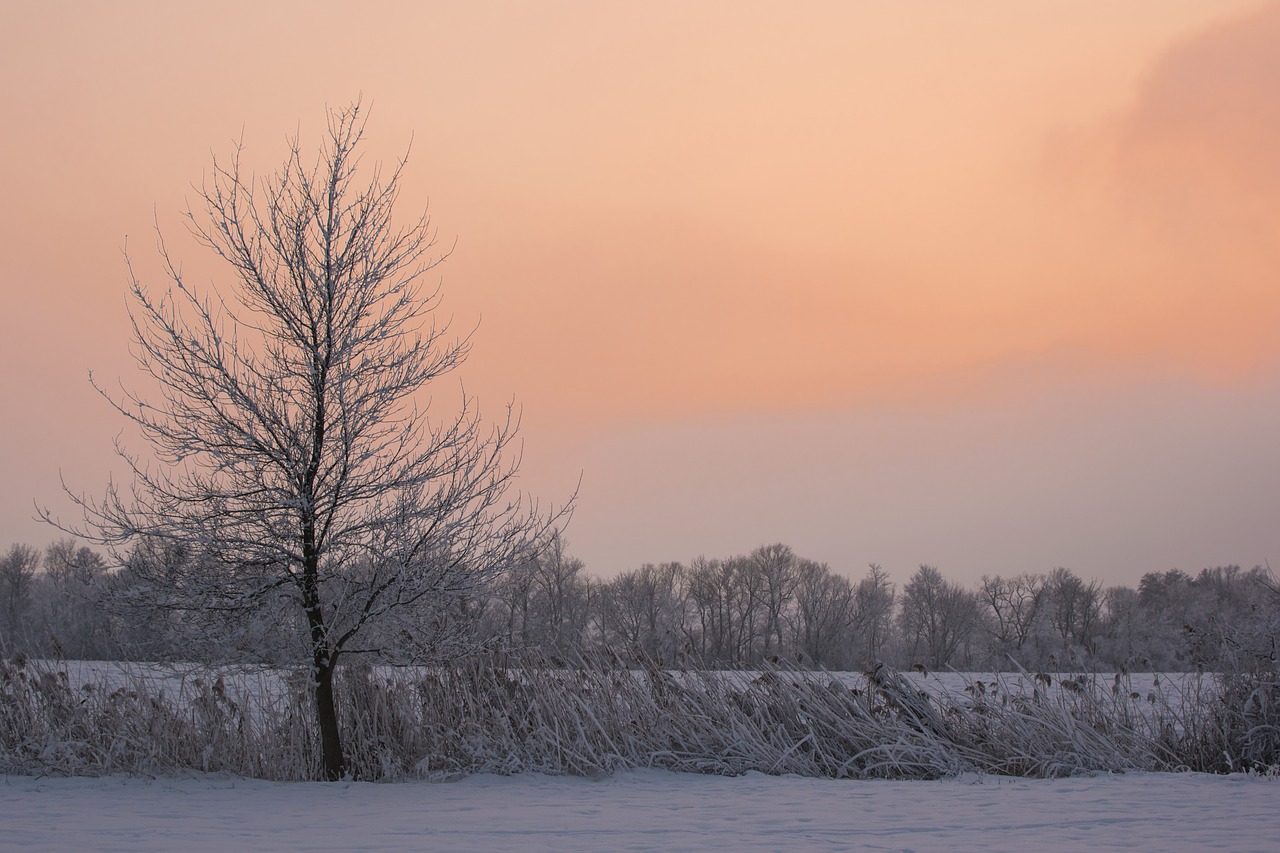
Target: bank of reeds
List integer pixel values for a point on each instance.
(509, 714)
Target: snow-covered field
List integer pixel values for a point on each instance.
(643, 810)
(176, 680)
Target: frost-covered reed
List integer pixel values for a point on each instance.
(512, 713)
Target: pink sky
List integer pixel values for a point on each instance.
(992, 287)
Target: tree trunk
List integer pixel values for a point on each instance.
(333, 765)
(324, 659)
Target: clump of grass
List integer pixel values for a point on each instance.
(49, 725)
(1241, 731)
(143, 720)
(530, 713)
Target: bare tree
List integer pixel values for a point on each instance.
(1125, 634)
(726, 597)
(711, 592)
(542, 601)
(1075, 607)
(938, 616)
(75, 578)
(825, 613)
(874, 599)
(17, 577)
(1014, 606)
(513, 616)
(291, 450)
(564, 595)
(643, 611)
(775, 566)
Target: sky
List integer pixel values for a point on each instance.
(991, 287)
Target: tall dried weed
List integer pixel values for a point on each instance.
(513, 713)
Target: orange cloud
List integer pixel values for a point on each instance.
(1176, 236)
(820, 230)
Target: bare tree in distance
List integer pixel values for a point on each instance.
(17, 578)
(775, 565)
(644, 612)
(938, 617)
(824, 614)
(1015, 605)
(1075, 608)
(292, 455)
(874, 599)
(75, 583)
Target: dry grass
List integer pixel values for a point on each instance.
(527, 713)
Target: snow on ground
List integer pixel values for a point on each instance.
(175, 680)
(643, 810)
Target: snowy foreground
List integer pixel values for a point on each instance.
(643, 810)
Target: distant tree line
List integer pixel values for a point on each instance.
(51, 602)
(732, 612)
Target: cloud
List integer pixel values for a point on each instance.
(1206, 125)
(902, 263)
(1166, 217)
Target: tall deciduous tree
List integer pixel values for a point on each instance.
(17, 577)
(293, 458)
(775, 566)
(643, 612)
(825, 614)
(1075, 607)
(1014, 606)
(874, 600)
(74, 580)
(938, 616)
